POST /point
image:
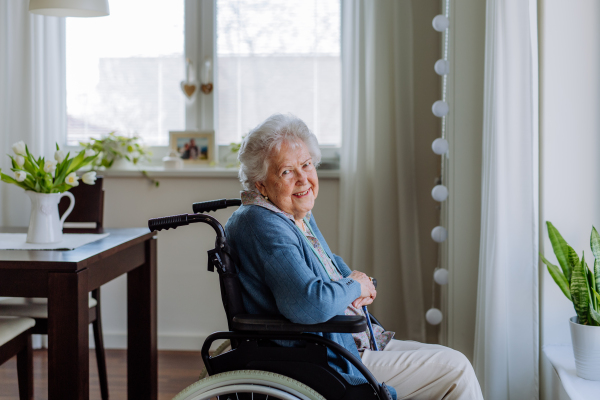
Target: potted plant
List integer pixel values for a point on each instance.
(117, 149)
(45, 182)
(582, 287)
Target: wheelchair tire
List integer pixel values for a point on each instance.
(273, 385)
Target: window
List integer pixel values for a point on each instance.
(278, 56)
(124, 71)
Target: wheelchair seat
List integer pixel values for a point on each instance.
(259, 366)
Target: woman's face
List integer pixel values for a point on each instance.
(292, 183)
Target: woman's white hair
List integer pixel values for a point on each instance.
(267, 137)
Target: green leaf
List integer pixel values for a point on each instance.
(77, 160)
(8, 179)
(558, 277)
(580, 293)
(594, 316)
(60, 178)
(596, 296)
(561, 249)
(595, 243)
(597, 274)
(573, 261)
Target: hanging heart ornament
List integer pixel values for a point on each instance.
(189, 88)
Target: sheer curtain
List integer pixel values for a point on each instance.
(378, 205)
(506, 340)
(32, 94)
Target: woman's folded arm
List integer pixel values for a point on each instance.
(303, 297)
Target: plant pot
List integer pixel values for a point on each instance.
(586, 349)
(44, 224)
(122, 163)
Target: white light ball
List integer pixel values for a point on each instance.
(434, 316)
(440, 23)
(439, 234)
(440, 108)
(439, 146)
(442, 67)
(440, 276)
(439, 193)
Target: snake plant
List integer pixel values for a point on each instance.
(574, 278)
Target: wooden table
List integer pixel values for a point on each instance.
(66, 278)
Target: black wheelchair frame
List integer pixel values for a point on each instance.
(252, 335)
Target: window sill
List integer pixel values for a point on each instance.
(192, 172)
(562, 379)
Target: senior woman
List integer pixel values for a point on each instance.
(288, 269)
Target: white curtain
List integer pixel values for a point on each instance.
(32, 94)
(378, 215)
(506, 340)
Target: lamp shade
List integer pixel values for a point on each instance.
(70, 8)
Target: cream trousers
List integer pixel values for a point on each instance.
(424, 371)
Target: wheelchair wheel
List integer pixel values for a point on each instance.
(248, 384)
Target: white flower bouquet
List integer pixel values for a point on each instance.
(48, 176)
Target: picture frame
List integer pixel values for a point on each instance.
(194, 147)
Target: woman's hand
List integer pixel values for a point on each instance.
(367, 290)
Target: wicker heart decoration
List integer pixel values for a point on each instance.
(189, 89)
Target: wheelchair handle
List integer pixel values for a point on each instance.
(173, 221)
(214, 205)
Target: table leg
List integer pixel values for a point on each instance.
(142, 356)
(68, 341)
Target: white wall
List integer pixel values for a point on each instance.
(189, 302)
(570, 142)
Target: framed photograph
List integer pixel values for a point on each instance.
(194, 147)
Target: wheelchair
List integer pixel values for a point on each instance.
(257, 367)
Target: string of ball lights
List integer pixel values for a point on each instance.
(440, 109)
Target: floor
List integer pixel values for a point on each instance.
(176, 370)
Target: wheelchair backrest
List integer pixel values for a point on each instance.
(221, 257)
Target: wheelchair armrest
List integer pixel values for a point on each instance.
(277, 323)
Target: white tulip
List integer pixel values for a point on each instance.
(20, 160)
(20, 176)
(50, 166)
(89, 153)
(89, 178)
(71, 179)
(19, 148)
(59, 156)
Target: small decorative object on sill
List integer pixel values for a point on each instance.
(190, 85)
(194, 147)
(172, 160)
(206, 86)
(581, 286)
(45, 182)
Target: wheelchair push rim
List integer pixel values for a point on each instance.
(248, 381)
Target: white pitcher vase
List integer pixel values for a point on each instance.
(44, 224)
